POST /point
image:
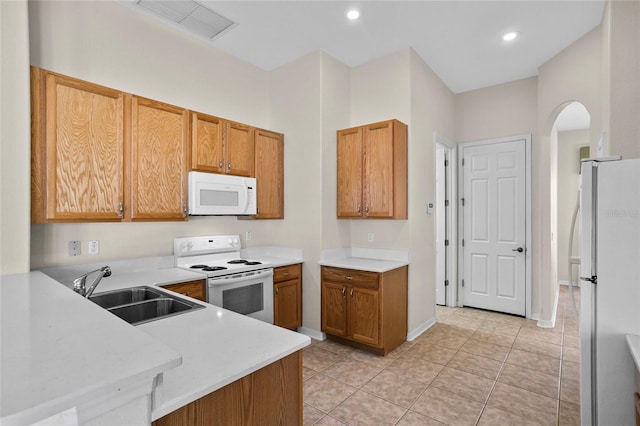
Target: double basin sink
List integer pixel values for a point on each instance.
(138, 305)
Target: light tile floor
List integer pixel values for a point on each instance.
(472, 367)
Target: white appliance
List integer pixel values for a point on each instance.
(610, 288)
(217, 194)
(240, 285)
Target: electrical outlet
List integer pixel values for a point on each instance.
(74, 248)
(248, 235)
(94, 247)
(370, 236)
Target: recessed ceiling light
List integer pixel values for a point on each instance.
(353, 14)
(511, 35)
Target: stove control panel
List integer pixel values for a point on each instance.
(188, 246)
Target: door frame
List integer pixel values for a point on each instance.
(528, 263)
(451, 193)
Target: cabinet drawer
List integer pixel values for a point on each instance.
(195, 289)
(350, 277)
(285, 273)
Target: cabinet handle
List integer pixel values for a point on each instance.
(286, 274)
(359, 208)
(351, 293)
(277, 291)
(343, 291)
(186, 293)
(347, 277)
(120, 209)
(185, 210)
(366, 209)
(220, 164)
(229, 166)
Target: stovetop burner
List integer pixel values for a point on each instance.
(238, 261)
(214, 268)
(253, 263)
(198, 266)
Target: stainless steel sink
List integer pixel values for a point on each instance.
(125, 296)
(138, 305)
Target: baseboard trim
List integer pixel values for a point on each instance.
(314, 334)
(413, 334)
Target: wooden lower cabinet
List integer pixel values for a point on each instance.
(196, 289)
(269, 396)
(365, 309)
(287, 296)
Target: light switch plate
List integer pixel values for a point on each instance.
(94, 247)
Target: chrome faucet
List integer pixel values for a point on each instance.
(79, 284)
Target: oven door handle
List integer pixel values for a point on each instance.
(225, 281)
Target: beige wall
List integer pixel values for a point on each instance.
(624, 78)
(86, 40)
(503, 110)
(569, 143)
(14, 138)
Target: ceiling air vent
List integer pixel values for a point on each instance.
(189, 15)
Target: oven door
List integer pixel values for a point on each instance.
(248, 293)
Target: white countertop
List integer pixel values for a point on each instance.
(217, 346)
(373, 260)
(58, 349)
(633, 341)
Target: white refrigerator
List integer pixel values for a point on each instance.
(609, 289)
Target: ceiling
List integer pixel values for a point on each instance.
(460, 40)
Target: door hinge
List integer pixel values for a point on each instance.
(446, 242)
(463, 242)
(463, 162)
(446, 163)
(462, 283)
(446, 203)
(446, 283)
(462, 199)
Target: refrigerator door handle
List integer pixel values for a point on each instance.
(593, 279)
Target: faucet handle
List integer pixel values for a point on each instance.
(107, 272)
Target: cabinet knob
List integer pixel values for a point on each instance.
(229, 166)
(347, 277)
(366, 209)
(343, 291)
(286, 274)
(277, 291)
(185, 210)
(351, 293)
(220, 164)
(359, 208)
(120, 209)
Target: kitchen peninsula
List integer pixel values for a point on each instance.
(62, 353)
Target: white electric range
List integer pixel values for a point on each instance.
(240, 285)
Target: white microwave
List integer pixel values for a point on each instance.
(216, 194)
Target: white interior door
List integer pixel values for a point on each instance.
(494, 226)
(441, 232)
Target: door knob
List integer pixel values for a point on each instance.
(519, 249)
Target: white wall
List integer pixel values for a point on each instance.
(15, 138)
(569, 144)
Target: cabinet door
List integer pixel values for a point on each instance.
(238, 147)
(364, 317)
(195, 289)
(206, 143)
(269, 173)
(286, 304)
(349, 163)
(334, 309)
(158, 160)
(378, 170)
(83, 166)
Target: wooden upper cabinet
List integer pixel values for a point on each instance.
(158, 170)
(372, 171)
(221, 146)
(77, 149)
(350, 157)
(269, 173)
(207, 153)
(238, 149)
